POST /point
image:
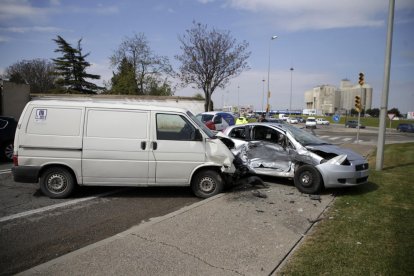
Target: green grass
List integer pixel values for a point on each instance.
(370, 228)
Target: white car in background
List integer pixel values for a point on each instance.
(291, 120)
(322, 121)
(310, 122)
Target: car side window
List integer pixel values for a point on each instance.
(174, 127)
(238, 133)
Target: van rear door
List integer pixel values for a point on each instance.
(115, 147)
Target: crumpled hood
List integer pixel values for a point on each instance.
(351, 155)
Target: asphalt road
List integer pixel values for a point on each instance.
(42, 236)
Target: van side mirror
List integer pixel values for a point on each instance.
(197, 135)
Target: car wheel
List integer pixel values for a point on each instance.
(207, 183)
(308, 179)
(57, 182)
(7, 151)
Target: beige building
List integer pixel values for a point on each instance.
(328, 99)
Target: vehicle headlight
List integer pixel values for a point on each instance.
(337, 160)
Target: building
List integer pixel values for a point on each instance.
(328, 99)
(13, 98)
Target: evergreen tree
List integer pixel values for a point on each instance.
(71, 68)
(124, 81)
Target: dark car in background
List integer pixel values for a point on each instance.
(7, 130)
(405, 128)
(354, 124)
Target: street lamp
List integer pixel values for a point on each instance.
(263, 80)
(268, 76)
(290, 102)
(238, 99)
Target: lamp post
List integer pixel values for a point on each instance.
(263, 80)
(268, 76)
(238, 99)
(290, 102)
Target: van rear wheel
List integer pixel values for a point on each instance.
(57, 182)
(207, 183)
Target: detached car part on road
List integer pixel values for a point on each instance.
(283, 150)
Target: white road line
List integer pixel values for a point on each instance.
(51, 207)
(5, 171)
(334, 138)
(347, 139)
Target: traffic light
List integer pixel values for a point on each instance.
(361, 79)
(358, 103)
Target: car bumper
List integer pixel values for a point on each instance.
(26, 174)
(335, 176)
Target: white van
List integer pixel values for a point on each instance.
(64, 143)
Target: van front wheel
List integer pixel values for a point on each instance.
(57, 182)
(207, 183)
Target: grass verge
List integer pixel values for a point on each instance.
(370, 228)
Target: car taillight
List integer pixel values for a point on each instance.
(15, 160)
(211, 125)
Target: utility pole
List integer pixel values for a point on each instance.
(385, 90)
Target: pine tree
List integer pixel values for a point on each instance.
(124, 81)
(71, 68)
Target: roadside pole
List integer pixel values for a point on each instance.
(385, 89)
(359, 120)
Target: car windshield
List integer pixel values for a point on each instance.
(197, 120)
(303, 137)
(311, 120)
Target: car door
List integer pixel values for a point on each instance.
(272, 153)
(115, 147)
(175, 151)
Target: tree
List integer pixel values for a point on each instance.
(124, 81)
(373, 112)
(71, 68)
(210, 58)
(148, 67)
(395, 111)
(38, 73)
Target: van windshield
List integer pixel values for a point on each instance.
(206, 130)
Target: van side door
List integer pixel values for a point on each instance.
(175, 149)
(116, 147)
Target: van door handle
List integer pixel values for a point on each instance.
(143, 145)
(154, 145)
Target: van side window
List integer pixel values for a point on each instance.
(174, 127)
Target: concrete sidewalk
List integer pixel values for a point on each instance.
(249, 231)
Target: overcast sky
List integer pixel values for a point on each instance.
(324, 41)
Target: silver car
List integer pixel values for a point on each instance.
(286, 151)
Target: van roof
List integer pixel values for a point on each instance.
(106, 103)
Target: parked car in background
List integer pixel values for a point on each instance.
(7, 130)
(405, 128)
(292, 120)
(241, 120)
(322, 121)
(310, 122)
(216, 120)
(283, 150)
(354, 124)
(300, 119)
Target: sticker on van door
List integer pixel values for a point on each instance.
(41, 114)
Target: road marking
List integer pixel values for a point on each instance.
(334, 138)
(55, 206)
(347, 139)
(5, 171)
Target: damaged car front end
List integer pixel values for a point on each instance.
(286, 151)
